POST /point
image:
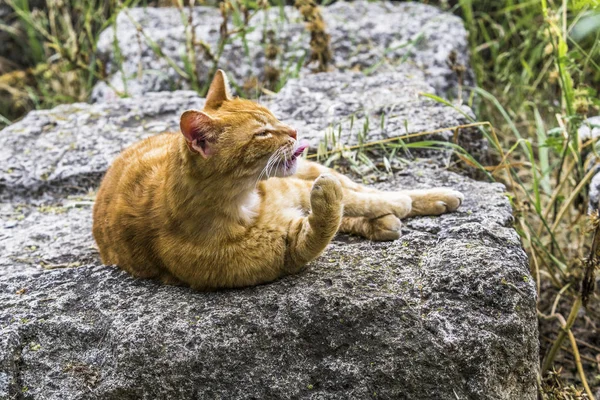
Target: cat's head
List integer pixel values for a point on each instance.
(239, 137)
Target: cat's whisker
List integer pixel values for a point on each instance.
(270, 163)
(288, 154)
(282, 155)
(263, 170)
(262, 173)
(277, 165)
(267, 168)
(276, 158)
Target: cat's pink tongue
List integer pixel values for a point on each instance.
(301, 147)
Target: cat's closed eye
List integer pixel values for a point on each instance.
(262, 134)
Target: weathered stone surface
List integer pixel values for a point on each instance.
(446, 312)
(68, 148)
(350, 108)
(53, 235)
(413, 33)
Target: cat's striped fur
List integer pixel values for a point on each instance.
(229, 202)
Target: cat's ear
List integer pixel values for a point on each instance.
(200, 131)
(219, 91)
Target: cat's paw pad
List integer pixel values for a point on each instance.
(388, 227)
(328, 188)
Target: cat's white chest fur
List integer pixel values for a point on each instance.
(246, 210)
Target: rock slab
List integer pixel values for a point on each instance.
(446, 312)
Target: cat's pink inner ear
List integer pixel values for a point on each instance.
(219, 91)
(199, 130)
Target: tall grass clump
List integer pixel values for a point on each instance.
(60, 40)
(537, 66)
(60, 44)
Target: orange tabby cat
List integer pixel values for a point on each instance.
(229, 203)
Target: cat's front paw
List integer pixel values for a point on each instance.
(436, 201)
(326, 204)
(326, 192)
(448, 199)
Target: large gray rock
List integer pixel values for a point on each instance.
(68, 148)
(446, 312)
(372, 37)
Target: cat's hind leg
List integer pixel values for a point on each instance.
(402, 204)
(375, 205)
(364, 201)
(308, 236)
(384, 228)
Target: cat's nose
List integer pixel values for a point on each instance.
(293, 133)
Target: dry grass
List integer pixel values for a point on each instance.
(537, 67)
